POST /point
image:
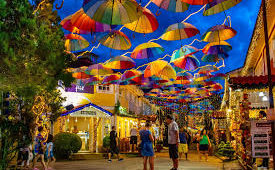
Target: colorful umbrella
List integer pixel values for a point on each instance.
(147, 50)
(185, 51)
(115, 40)
(131, 75)
(187, 63)
(94, 80)
(80, 75)
(112, 12)
(218, 33)
(208, 69)
(75, 42)
(111, 79)
(172, 5)
(197, 2)
(66, 23)
(217, 6)
(184, 76)
(98, 69)
(83, 22)
(160, 68)
(179, 31)
(202, 77)
(146, 23)
(213, 57)
(120, 62)
(217, 48)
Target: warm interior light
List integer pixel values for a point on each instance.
(261, 94)
(265, 98)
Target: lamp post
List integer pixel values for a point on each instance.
(269, 75)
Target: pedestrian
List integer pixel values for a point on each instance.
(204, 145)
(183, 146)
(49, 151)
(39, 148)
(173, 141)
(197, 140)
(146, 145)
(114, 145)
(133, 138)
(265, 163)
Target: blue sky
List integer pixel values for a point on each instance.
(243, 18)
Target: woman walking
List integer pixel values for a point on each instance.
(204, 145)
(147, 147)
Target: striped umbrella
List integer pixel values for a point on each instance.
(115, 40)
(172, 5)
(66, 23)
(75, 42)
(185, 62)
(213, 57)
(208, 69)
(218, 33)
(217, 48)
(131, 75)
(217, 6)
(179, 31)
(120, 62)
(147, 50)
(80, 75)
(83, 22)
(98, 69)
(111, 79)
(146, 23)
(160, 68)
(112, 12)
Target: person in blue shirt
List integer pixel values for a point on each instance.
(183, 146)
(49, 151)
(146, 144)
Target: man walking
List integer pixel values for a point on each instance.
(173, 140)
(133, 138)
(113, 145)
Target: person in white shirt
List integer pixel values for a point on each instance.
(133, 138)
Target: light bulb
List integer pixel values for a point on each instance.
(265, 98)
(261, 94)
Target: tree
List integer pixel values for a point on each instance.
(32, 61)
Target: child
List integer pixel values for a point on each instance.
(49, 151)
(183, 146)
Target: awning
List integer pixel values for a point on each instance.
(250, 82)
(87, 110)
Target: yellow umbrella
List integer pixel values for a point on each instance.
(160, 68)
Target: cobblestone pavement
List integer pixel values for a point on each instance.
(162, 162)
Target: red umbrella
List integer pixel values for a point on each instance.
(197, 2)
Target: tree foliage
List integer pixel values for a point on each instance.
(32, 62)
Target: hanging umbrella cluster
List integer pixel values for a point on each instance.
(215, 51)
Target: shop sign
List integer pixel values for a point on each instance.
(80, 89)
(261, 138)
(84, 114)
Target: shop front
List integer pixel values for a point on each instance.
(90, 122)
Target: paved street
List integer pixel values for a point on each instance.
(162, 162)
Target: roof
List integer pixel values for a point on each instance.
(65, 113)
(250, 81)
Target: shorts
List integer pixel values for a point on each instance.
(173, 151)
(203, 147)
(133, 140)
(183, 148)
(114, 149)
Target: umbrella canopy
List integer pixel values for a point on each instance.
(112, 12)
(83, 22)
(218, 33)
(197, 2)
(160, 68)
(111, 79)
(187, 63)
(115, 40)
(185, 51)
(80, 75)
(213, 57)
(80, 62)
(120, 62)
(146, 23)
(131, 75)
(66, 23)
(184, 76)
(147, 50)
(98, 69)
(75, 42)
(179, 31)
(217, 48)
(172, 5)
(217, 6)
(208, 69)
(93, 80)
